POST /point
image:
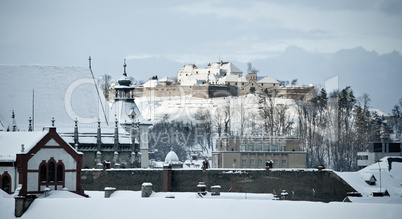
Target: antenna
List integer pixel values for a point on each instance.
(97, 90)
(33, 109)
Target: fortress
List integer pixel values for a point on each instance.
(218, 79)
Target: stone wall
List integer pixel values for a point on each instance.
(311, 185)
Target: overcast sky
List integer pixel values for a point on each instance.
(67, 32)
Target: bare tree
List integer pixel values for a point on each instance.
(204, 129)
(104, 83)
(219, 121)
(294, 82)
(227, 116)
(251, 69)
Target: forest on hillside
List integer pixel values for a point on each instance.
(331, 128)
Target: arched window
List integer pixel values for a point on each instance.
(60, 173)
(6, 184)
(51, 172)
(43, 173)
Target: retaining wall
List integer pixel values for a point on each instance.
(310, 185)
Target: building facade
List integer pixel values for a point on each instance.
(255, 151)
(32, 162)
(377, 151)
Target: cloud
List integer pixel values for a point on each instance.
(391, 7)
(141, 56)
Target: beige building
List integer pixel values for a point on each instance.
(253, 152)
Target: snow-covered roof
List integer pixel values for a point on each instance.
(58, 91)
(232, 78)
(166, 79)
(188, 68)
(10, 143)
(187, 204)
(124, 109)
(390, 179)
(231, 68)
(268, 79)
(171, 158)
(152, 83)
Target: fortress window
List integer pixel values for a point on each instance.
(244, 162)
(252, 162)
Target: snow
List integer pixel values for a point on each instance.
(126, 204)
(183, 108)
(152, 83)
(171, 157)
(10, 143)
(386, 180)
(60, 92)
(268, 80)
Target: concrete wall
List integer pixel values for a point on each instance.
(312, 185)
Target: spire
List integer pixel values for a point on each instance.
(30, 124)
(53, 121)
(13, 125)
(98, 137)
(124, 81)
(89, 59)
(125, 65)
(76, 132)
(116, 135)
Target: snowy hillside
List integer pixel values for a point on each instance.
(184, 108)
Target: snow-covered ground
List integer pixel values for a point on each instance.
(129, 204)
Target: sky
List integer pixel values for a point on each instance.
(158, 37)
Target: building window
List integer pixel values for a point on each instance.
(228, 83)
(234, 160)
(276, 163)
(244, 162)
(43, 173)
(242, 146)
(283, 163)
(50, 175)
(266, 146)
(258, 145)
(6, 184)
(259, 162)
(242, 83)
(274, 147)
(60, 173)
(251, 162)
(251, 147)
